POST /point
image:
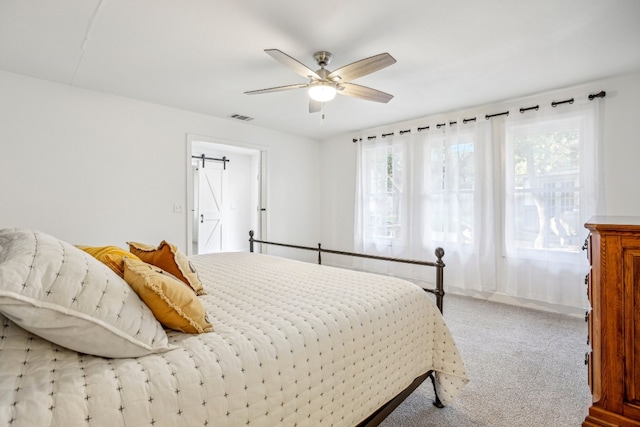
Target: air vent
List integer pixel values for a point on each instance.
(241, 117)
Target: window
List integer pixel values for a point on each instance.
(543, 185)
(449, 188)
(384, 192)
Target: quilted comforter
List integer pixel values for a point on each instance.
(294, 344)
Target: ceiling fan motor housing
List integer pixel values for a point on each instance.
(323, 58)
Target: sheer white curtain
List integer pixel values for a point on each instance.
(422, 190)
(381, 185)
(459, 203)
(506, 198)
(551, 190)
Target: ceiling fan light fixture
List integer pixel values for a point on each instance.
(322, 91)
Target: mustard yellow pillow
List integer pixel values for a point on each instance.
(111, 256)
(169, 258)
(170, 301)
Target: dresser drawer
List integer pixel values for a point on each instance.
(587, 247)
(587, 361)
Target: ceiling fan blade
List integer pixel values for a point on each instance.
(276, 89)
(363, 92)
(292, 63)
(362, 68)
(314, 106)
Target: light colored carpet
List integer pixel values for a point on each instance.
(526, 368)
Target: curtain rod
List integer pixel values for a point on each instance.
(524, 110)
(554, 104)
(202, 157)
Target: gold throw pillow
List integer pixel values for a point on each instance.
(169, 258)
(170, 301)
(111, 256)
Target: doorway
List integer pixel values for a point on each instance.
(225, 195)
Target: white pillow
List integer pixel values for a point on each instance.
(68, 297)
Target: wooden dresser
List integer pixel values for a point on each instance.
(613, 248)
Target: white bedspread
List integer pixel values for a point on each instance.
(294, 344)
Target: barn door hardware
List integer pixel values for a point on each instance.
(224, 160)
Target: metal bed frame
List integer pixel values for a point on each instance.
(439, 265)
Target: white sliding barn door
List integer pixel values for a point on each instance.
(211, 208)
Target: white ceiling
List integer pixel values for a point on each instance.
(201, 55)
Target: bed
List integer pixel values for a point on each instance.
(291, 343)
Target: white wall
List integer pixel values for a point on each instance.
(621, 156)
(622, 145)
(97, 169)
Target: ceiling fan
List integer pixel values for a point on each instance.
(324, 84)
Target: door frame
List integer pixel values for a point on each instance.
(262, 178)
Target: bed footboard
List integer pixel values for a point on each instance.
(439, 265)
